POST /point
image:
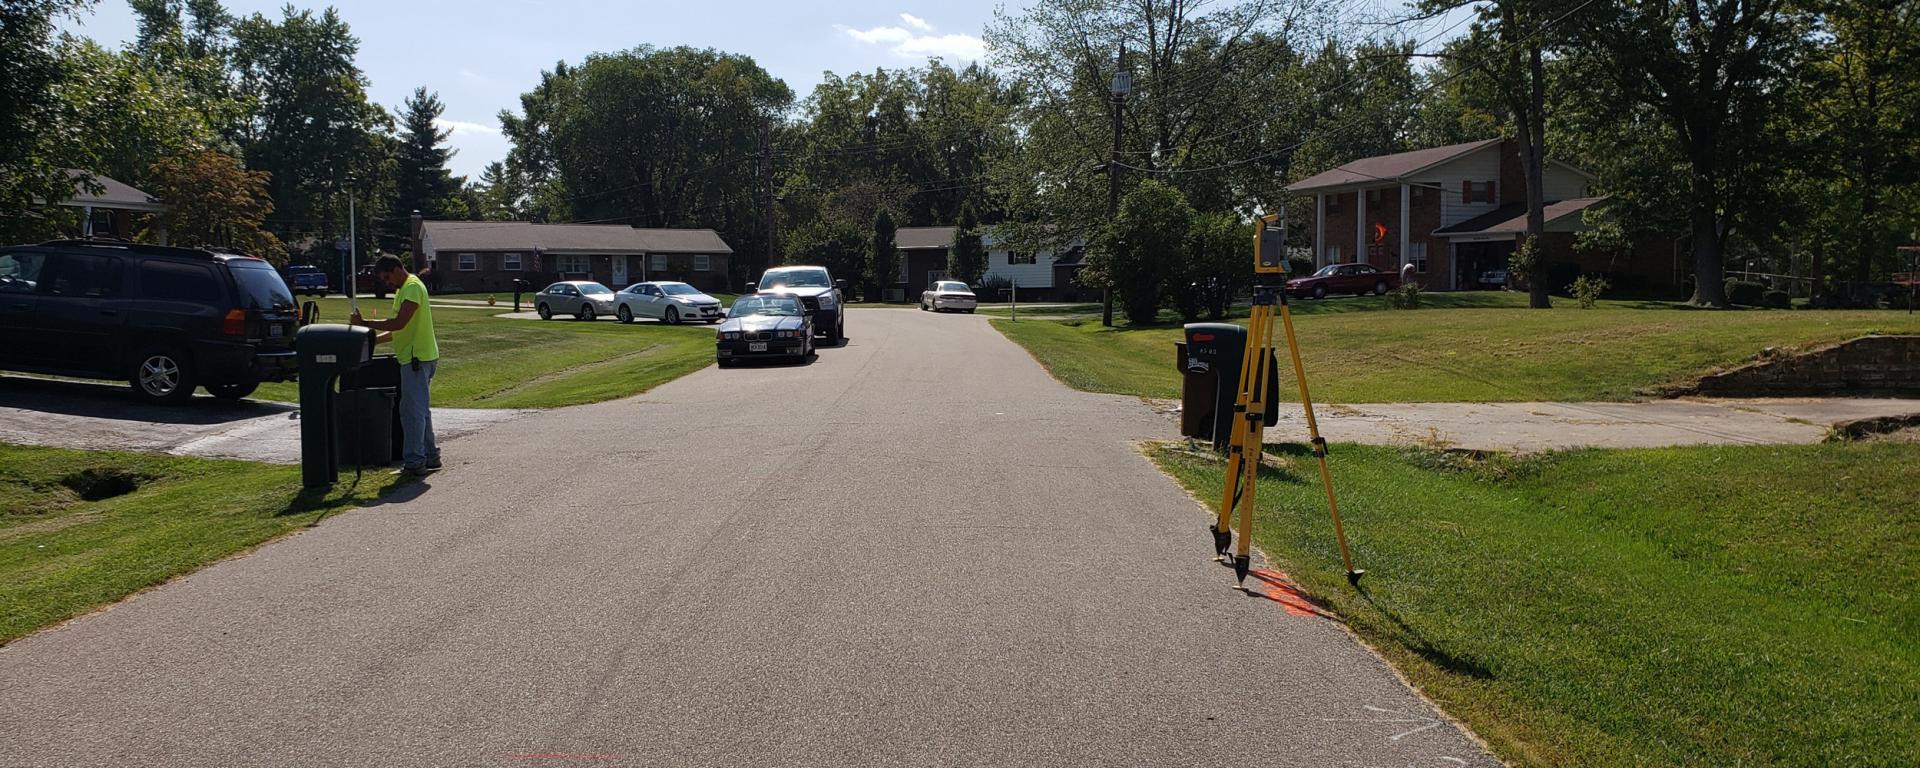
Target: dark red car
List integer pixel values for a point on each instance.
(1356, 279)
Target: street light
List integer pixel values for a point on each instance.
(1122, 85)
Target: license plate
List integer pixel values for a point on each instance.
(276, 331)
(756, 346)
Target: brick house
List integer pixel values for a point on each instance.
(1459, 211)
(489, 255)
(1042, 276)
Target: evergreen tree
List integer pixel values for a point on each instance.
(884, 261)
(421, 181)
(967, 262)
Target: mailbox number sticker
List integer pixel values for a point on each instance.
(325, 358)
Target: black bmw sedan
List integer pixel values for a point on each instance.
(764, 325)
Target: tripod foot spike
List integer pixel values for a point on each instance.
(1221, 540)
(1353, 577)
(1241, 564)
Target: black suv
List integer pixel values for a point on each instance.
(823, 296)
(162, 319)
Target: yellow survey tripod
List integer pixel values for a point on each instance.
(1244, 450)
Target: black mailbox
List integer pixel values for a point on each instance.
(1210, 380)
(326, 352)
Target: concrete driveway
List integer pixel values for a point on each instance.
(916, 550)
(101, 416)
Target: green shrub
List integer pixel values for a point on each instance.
(1776, 300)
(1744, 293)
(1407, 296)
(1586, 289)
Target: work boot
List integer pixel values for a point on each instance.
(433, 463)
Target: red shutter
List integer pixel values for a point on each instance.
(1491, 197)
(1466, 191)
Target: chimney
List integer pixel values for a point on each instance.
(419, 257)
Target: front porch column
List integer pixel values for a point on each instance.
(1320, 229)
(1359, 226)
(1406, 218)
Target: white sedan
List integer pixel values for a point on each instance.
(668, 302)
(583, 299)
(949, 295)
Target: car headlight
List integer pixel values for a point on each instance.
(826, 301)
(730, 336)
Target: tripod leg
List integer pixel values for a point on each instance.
(1319, 446)
(1259, 349)
(1234, 488)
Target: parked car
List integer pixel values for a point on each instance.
(1357, 279)
(1494, 279)
(949, 295)
(764, 325)
(822, 296)
(667, 302)
(164, 320)
(583, 299)
(307, 279)
(365, 282)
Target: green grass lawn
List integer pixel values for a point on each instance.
(1673, 607)
(492, 362)
(62, 555)
(1462, 347)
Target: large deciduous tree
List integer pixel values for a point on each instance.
(313, 128)
(33, 159)
(1710, 70)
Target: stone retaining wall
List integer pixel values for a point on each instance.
(1871, 366)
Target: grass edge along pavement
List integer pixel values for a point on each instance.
(152, 518)
(495, 362)
(1677, 606)
(1461, 348)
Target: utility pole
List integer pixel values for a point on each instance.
(1122, 84)
(766, 181)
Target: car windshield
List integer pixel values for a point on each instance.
(954, 287)
(594, 288)
(260, 286)
(679, 289)
(794, 278)
(778, 306)
(1327, 270)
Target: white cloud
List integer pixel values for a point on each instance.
(464, 128)
(921, 44)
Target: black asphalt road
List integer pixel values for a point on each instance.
(917, 550)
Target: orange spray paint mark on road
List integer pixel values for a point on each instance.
(1281, 589)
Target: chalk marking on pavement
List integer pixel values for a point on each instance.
(1430, 722)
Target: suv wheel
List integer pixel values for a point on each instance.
(232, 391)
(162, 374)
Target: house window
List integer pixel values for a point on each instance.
(510, 262)
(1333, 254)
(659, 262)
(1417, 256)
(1416, 192)
(573, 264)
(702, 263)
(468, 262)
(1477, 193)
(1016, 257)
(1373, 197)
(1333, 203)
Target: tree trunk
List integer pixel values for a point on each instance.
(1709, 274)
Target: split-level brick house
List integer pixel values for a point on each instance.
(1457, 212)
(489, 255)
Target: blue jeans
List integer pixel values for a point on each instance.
(416, 417)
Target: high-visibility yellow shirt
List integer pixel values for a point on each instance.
(415, 341)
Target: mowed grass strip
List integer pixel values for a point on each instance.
(151, 518)
(1474, 347)
(1676, 607)
(493, 362)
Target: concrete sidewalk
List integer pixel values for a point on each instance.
(1552, 426)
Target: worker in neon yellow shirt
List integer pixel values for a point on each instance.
(411, 333)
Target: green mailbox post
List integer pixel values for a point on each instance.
(325, 352)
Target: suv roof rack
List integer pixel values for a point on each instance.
(144, 248)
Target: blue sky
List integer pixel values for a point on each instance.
(480, 55)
